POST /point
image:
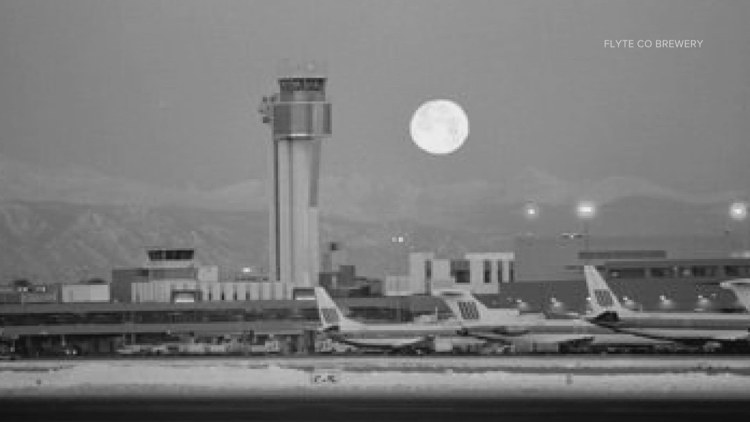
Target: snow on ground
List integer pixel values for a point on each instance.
(393, 376)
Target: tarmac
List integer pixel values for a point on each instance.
(364, 388)
(579, 376)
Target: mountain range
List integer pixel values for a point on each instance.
(63, 225)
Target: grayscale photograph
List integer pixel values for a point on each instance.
(349, 210)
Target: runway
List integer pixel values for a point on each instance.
(669, 377)
(364, 388)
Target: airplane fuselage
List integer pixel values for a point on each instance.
(684, 327)
(393, 336)
(541, 330)
(400, 330)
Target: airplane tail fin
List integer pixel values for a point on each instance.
(329, 313)
(741, 288)
(602, 299)
(463, 304)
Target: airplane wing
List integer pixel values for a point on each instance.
(686, 337)
(700, 339)
(573, 340)
(500, 333)
(487, 335)
(506, 335)
(395, 344)
(562, 339)
(731, 337)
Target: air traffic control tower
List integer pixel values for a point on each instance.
(300, 117)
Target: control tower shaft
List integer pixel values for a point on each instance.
(300, 117)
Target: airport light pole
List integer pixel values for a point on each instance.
(738, 212)
(665, 303)
(586, 211)
(403, 244)
(531, 213)
(702, 304)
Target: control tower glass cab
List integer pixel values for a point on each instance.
(300, 117)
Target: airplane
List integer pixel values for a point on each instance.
(395, 337)
(687, 328)
(741, 288)
(509, 326)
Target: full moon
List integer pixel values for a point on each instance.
(439, 127)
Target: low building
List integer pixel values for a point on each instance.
(344, 282)
(397, 285)
(174, 275)
(559, 258)
(37, 293)
(85, 292)
(480, 273)
(224, 291)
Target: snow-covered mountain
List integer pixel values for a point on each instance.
(68, 224)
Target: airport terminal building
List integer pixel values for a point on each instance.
(551, 259)
(667, 273)
(174, 295)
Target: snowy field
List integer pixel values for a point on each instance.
(476, 377)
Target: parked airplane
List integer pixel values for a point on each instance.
(741, 288)
(396, 337)
(689, 328)
(509, 326)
